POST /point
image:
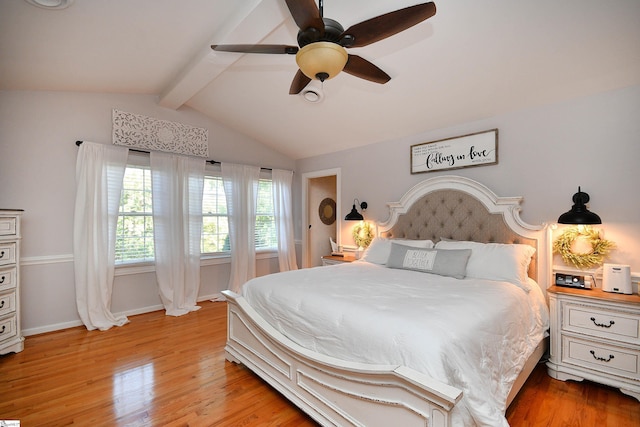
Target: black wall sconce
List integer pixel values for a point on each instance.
(354, 215)
(579, 214)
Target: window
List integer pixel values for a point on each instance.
(215, 224)
(265, 219)
(134, 232)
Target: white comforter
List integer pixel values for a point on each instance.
(472, 334)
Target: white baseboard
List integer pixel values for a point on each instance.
(50, 328)
(76, 323)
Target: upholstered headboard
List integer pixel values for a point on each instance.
(458, 208)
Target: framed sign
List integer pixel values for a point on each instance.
(475, 149)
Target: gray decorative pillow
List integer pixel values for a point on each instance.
(444, 262)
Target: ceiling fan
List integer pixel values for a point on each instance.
(322, 41)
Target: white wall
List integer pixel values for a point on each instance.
(38, 131)
(545, 153)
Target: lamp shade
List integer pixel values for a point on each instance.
(354, 215)
(322, 60)
(579, 214)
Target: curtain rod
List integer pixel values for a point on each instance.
(211, 162)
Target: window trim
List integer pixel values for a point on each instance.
(205, 261)
(137, 162)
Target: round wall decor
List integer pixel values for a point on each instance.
(599, 247)
(327, 211)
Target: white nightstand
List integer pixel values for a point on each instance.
(595, 335)
(332, 259)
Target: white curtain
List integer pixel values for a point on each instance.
(283, 211)
(241, 190)
(99, 173)
(177, 184)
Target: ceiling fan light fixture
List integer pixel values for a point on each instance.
(51, 4)
(322, 60)
(313, 92)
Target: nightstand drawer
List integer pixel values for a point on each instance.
(8, 278)
(7, 253)
(7, 328)
(601, 357)
(601, 322)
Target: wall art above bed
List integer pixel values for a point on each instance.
(475, 149)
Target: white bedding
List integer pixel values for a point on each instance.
(472, 334)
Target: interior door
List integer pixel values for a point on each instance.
(321, 212)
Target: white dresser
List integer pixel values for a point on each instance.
(11, 339)
(595, 335)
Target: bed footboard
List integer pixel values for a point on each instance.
(335, 392)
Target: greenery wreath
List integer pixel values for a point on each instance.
(362, 234)
(600, 248)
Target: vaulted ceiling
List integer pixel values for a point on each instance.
(474, 59)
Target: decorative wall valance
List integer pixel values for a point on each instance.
(142, 132)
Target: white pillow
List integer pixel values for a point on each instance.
(380, 248)
(496, 261)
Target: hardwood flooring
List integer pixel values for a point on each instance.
(170, 371)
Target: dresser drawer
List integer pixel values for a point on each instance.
(8, 226)
(7, 328)
(601, 322)
(7, 253)
(7, 303)
(8, 278)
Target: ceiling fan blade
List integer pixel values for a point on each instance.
(360, 67)
(306, 14)
(256, 48)
(300, 81)
(383, 26)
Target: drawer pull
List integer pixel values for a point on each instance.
(602, 325)
(602, 359)
(2, 304)
(2, 254)
(3, 328)
(2, 280)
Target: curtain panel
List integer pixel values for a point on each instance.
(241, 190)
(283, 212)
(99, 173)
(177, 186)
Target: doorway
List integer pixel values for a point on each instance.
(321, 212)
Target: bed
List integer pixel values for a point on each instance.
(320, 336)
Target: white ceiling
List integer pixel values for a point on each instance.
(474, 59)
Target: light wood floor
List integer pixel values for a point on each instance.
(170, 371)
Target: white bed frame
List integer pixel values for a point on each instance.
(340, 393)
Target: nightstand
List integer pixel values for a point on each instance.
(332, 259)
(595, 335)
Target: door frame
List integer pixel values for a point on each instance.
(306, 178)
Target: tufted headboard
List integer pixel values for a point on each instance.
(458, 208)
